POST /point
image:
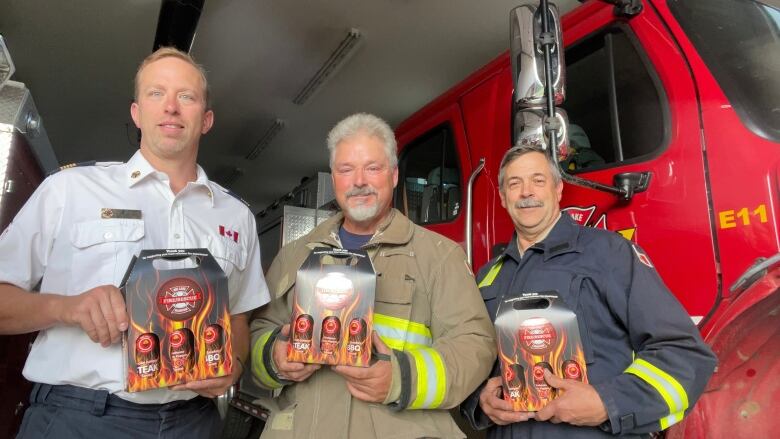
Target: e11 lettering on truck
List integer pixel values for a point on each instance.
(668, 132)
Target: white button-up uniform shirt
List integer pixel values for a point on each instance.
(60, 239)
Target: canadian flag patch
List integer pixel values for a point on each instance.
(229, 233)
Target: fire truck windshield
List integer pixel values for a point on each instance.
(740, 42)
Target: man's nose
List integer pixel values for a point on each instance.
(172, 104)
(359, 180)
(527, 190)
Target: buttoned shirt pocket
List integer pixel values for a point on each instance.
(230, 255)
(102, 250)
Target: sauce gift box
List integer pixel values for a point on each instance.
(536, 332)
(177, 300)
(332, 308)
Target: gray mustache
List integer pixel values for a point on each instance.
(528, 202)
(360, 192)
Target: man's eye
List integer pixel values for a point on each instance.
(539, 181)
(155, 93)
(187, 97)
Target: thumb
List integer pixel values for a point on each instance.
(380, 345)
(555, 380)
(285, 330)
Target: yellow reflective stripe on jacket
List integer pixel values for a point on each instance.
(431, 379)
(258, 366)
(491, 275)
(401, 334)
(670, 389)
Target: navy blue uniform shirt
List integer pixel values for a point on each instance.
(644, 355)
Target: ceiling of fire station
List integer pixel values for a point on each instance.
(78, 59)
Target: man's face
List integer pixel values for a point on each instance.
(530, 195)
(171, 109)
(363, 179)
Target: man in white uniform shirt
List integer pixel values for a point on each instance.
(76, 236)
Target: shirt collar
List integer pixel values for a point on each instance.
(562, 238)
(138, 168)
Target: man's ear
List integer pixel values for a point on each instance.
(503, 198)
(134, 114)
(208, 121)
(395, 177)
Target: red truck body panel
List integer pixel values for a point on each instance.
(709, 212)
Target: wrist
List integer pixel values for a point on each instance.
(238, 368)
(55, 309)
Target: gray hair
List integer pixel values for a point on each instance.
(363, 123)
(520, 150)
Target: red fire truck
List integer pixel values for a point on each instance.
(672, 140)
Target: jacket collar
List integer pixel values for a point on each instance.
(396, 229)
(561, 239)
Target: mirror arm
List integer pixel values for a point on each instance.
(547, 41)
(626, 8)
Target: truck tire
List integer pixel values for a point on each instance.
(239, 425)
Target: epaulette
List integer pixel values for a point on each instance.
(82, 164)
(231, 193)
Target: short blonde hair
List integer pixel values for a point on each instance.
(172, 52)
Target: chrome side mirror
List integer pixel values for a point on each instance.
(527, 56)
(530, 130)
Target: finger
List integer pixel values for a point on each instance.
(290, 367)
(361, 394)
(555, 381)
(493, 383)
(100, 325)
(357, 373)
(547, 412)
(104, 302)
(304, 373)
(380, 345)
(285, 330)
(86, 323)
(119, 308)
(512, 417)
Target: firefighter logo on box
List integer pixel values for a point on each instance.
(334, 291)
(537, 335)
(179, 298)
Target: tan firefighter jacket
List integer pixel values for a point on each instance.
(428, 310)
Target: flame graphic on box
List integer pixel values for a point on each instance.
(166, 376)
(530, 398)
(314, 355)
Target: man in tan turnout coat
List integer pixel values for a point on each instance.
(435, 342)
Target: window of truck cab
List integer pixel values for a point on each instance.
(739, 40)
(428, 190)
(617, 108)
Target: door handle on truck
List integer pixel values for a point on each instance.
(469, 190)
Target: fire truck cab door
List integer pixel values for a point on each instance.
(633, 107)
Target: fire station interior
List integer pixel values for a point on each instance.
(273, 104)
(282, 73)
